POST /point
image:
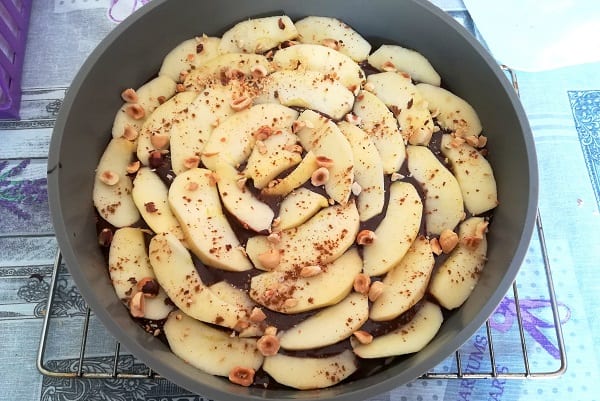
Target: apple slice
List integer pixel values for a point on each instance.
(402, 97)
(333, 33)
(381, 125)
(192, 130)
(474, 175)
(406, 283)
(454, 113)
(214, 70)
(329, 326)
(258, 35)
(324, 138)
(368, 170)
(443, 198)
(307, 89)
(128, 264)
(208, 349)
(289, 293)
(405, 60)
(112, 187)
(299, 206)
(240, 202)
(454, 280)
(177, 274)
(412, 337)
(268, 161)
(188, 55)
(319, 241)
(392, 240)
(235, 137)
(161, 123)
(324, 60)
(150, 195)
(296, 178)
(310, 373)
(194, 200)
(161, 87)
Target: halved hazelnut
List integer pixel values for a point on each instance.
(270, 259)
(129, 95)
(130, 133)
(191, 162)
(242, 376)
(436, 248)
(148, 286)
(363, 337)
(160, 141)
(180, 88)
(274, 238)
(191, 186)
(331, 43)
(135, 111)
(263, 132)
(109, 177)
(257, 315)
(259, 71)
(290, 303)
(240, 103)
(448, 240)
(324, 161)
(320, 176)
(362, 282)
(472, 140)
(137, 305)
(268, 345)
(375, 290)
(310, 271)
(133, 167)
(481, 141)
(105, 237)
(297, 126)
(213, 178)
(365, 237)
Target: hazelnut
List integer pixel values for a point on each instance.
(353, 119)
(259, 71)
(363, 337)
(310, 271)
(268, 345)
(241, 182)
(262, 148)
(262, 133)
(365, 237)
(105, 237)
(180, 88)
(257, 315)
(130, 133)
(161, 99)
(276, 222)
(109, 177)
(242, 376)
(137, 305)
(472, 140)
(135, 111)
(448, 240)
(320, 176)
(270, 259)
(396, 177)
(271, 330)
(274, 238)
(362, 282)
(155, 159)
(331, 43)
(160, 141)
(213, 178)
(388, 66)
(481, 229)
(129, 95)
(471, 241)
(133, 167)
(324, 161)
(436, 248)
(294, 148)
(148, 286)
(191, 162)
(481, 141)
(375, 290)
(290, 303)
(369, 87)
(240, 103)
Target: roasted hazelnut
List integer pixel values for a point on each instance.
(137, 305)
(331, 43)
(148, 286)
(191, 162)
(365, 237)
(160, 141)
(353, 119)
(133, 167)
(310, 271)
(109, 177)
(324, 161)
(375, 290)
(129, 95)
(270, 259)
(257, 315)
(297, 126)
(135, 111)
(362, 283)
(259, 71)
(448, 240)
(434, 243)
(240, 103)
(363, 337)
(320, 176)
(242, 376)
(130, 133)
(268, 345)
(388, 66)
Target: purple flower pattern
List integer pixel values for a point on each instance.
(17, 195)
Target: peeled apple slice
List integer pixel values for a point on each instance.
(406, 60)
(258, 35)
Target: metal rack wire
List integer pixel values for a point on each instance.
(457, 371)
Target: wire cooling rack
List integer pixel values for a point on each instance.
(455, 367)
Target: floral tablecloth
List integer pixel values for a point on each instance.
(563, 107)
